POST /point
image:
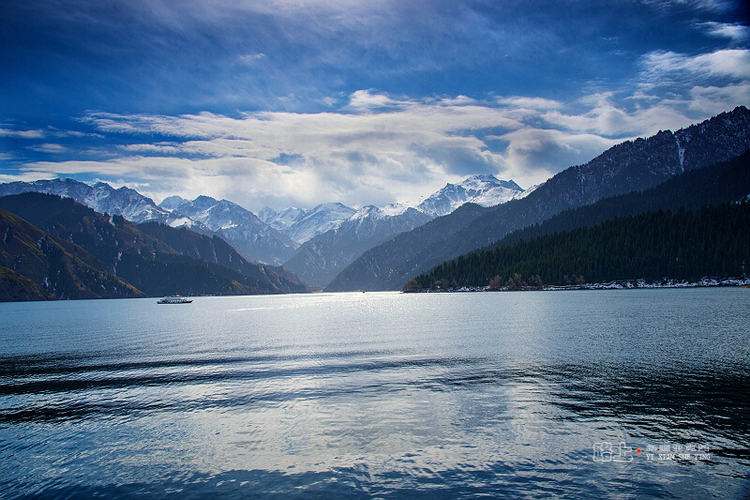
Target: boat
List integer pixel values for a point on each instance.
(173, 299)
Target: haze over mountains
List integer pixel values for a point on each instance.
(380, 248)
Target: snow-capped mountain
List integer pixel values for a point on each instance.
(101, 197)
(485, 190)
(173, 203)
(321, 258)
(303, 225)
(250, 236)
(281, 220)
(274, 237)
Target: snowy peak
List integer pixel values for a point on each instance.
(366, 211)
(281, 220)
(204, 203)
(214, 215)
(319, 220)
(173, 203)
(303, 225)
(252, 237)
(101, 197)
(485, 190)
(481, 182)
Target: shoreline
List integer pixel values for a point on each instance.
(611, 285)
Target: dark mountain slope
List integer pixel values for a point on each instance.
(713, 241)
(102, 236)
(630, 166)
(36, 266)
(215, 250)
(145, 261)
(721, 183)
(17, 288)
(726, 182)
(399, 249)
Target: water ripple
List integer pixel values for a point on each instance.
(382, 396)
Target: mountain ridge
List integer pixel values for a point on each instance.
(257, 239)
(725, 183)
(118, 249)
(303, 225)
(629, 166)
(35, 265)
(250, 236)
(320, 259)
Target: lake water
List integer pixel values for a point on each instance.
(608, 394)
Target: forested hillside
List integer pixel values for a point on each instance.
(37, 266)
(713, 241)
(722, 183)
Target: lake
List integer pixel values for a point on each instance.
(578, 394)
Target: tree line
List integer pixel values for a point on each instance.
(713, 241)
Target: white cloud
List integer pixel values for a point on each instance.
(709, 5)
(22, 134)
(252, 59)
(698, 86)
(536, 154)
(365, 100)
(713, 100)
(380, 149)
(536, 103)
(606, 119)
(49, 148)
(661, 66)
(735, 32)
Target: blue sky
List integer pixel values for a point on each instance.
(299, 102)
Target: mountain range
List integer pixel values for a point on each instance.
(380, 248)
(252, 237)
(320, 259)
(641, 235)
(332, 235)
(302, 225)
(56, 248)
(100, 197)
(629, 166)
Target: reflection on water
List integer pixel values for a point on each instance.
(379, 395)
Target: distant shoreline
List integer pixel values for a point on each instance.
(612, 285)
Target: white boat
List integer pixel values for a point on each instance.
(173, 299)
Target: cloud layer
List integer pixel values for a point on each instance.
(377, 150)
(309, 101)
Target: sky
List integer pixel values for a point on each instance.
(299, 102)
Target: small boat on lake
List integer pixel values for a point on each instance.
(173, 299)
